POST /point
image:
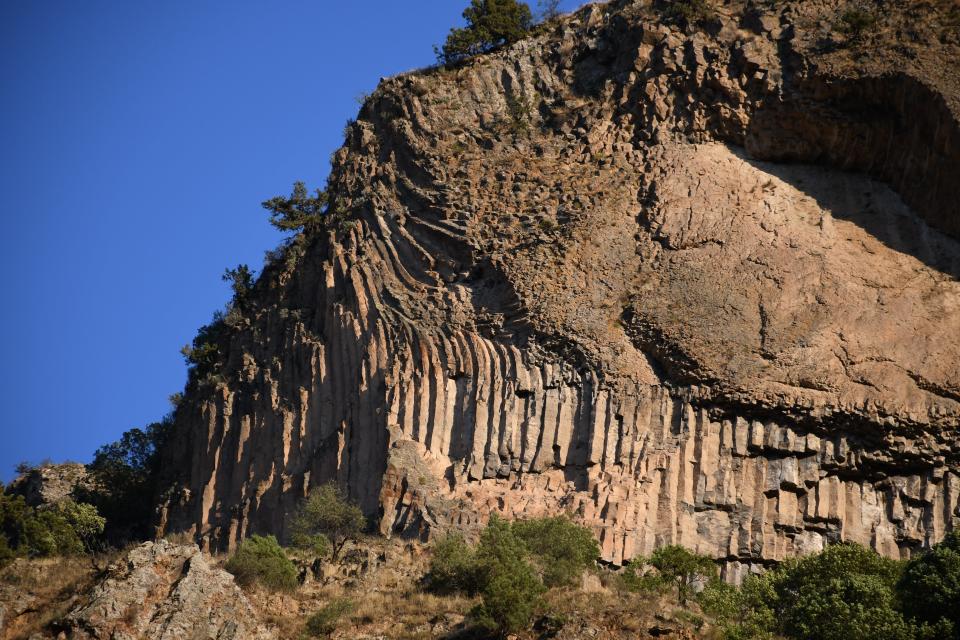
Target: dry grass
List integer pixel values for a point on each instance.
(48, 587)
(392, 612)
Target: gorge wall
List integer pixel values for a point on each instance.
(696, 286)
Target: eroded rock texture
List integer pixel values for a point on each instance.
(695, 286)
(165, 591)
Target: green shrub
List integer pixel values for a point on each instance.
(930, 588)
(241, 283)
(509, 586)
(637, 578)
(124, 482)
(6, 553)
(85, 521)
(674, 565)
(490, 24)
(326, 517)
(520, 114)
(510, 596)
(300, 211)
(260, 559)
(325, 621)
(561, 549)
(740, 614)
(66, 528)
(506, 566)
(845, 592)
(688, 12)
(453, 566)
(856, 21)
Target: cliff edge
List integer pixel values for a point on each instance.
(693, 284)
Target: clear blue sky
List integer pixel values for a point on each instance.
(137, 140)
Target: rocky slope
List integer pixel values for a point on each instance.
(693, 285)
(162, 590)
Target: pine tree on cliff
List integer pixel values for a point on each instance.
(490, 24)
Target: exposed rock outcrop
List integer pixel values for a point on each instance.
(48, 484)
(580, 275)
(165, 591)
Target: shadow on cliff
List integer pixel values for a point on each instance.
(873, 206)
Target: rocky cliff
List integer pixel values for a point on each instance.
(689, 283)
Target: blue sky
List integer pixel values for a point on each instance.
(137, 140)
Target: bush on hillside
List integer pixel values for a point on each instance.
(512, 566)
(325, 621)
(688, 12)
(299, 211)
(326, 517)
(261, 560)
(562, 550)
(845, 592)
(856, 21)
(674, 566)
(85, 520)
(490, 24)
(123, 485)
(453, 567)
(509, 586)
(930, 589)
(66, 528)
(241, 282)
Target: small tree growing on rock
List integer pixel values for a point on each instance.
(326, 518)
(675, 565)
(490, 24)
(299, 211)
(241, 282)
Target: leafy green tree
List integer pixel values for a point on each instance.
(66, 528)
(510, 588)
(241, 283)
(326, 514)
(453, 566)
(300, 211)
(930, 588)
(490, 24)
(261, 560)
(746, 613)
(124, 482)
(201, 356)
(845, 592)
(562, 550)
(675, 565)
(85, 520)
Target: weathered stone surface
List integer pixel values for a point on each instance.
(165, 591)
(705, 293)
(49, 483)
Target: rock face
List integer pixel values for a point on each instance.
(165, 591)
(49, 483)
(691, 286)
